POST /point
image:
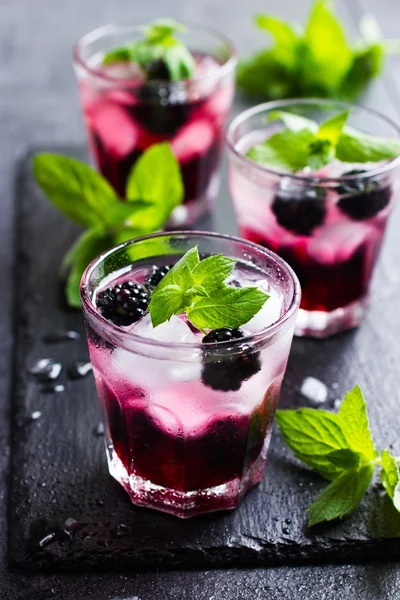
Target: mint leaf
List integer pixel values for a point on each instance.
(354, 423)
(179, 62)
(117, 55)
(169, 301)
(287, 150)
(226, 307)
(313, 435)
(390, 478)
(345, 459)
(321, 154)
(88, 246)
(82, 194)
(342, 496)
(293, 121)
(156, 180)
(211, 272)
(181, 274)
(327, 48)
(285, 37)
(331, 129)
(162, 28)
(355, 146)
(367, 64)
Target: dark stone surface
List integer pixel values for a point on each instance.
(59, 471)
(39, 103)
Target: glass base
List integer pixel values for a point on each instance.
(143, 492)
(319, 324)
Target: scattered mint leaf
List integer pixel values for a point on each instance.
(390, 478)
(313, 61)
(355, 146)
(226, 307)
(76, 189)
(159, 44)
(345, 459)
(156, 180)
(287, 150)
(197, 288)
(90, 244)
(342, 496)
(313, 435)
(354, 424)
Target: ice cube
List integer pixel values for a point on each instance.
(175, 331)
(116, 129)
(338, 242)
(219, 103)
(193, 140)
(268, 314)
(314, 390)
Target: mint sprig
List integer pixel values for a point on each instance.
(315, 60)
(340, 447)
(197, 287)
(154, 189)
(159, 44)
(304, 143)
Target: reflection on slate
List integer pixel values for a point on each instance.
(68, 513)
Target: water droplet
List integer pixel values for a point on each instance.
(56, 337)
(335, 386)
(122, 530)
(285, 530)
(52, 388)
(314, 390)
(36, 415)
(98, 431)
(43, 484)
(48, 539)
(79, 369)
(46, 369)
(288, 521)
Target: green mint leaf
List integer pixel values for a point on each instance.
(285, 37)
(179, 62)
(266, 75)
(345, 459)
(287, 150)
(321, 154)
(355, 146)
(226, 307)
(87, 247)
(342, 496)
(211, 272)
(293, 121)
(332, 128)
(329, 54)
(181, 274)
(156, 180)
(354, 423)
(367, 64)
(165, 303)
(117, 55)
(313, 435)
(162, 28)
(390, 478)
(82, 194)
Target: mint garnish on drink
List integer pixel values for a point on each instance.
(304, 143)
(197, 287)
(161, 55)
(154, 189)
(340, 447)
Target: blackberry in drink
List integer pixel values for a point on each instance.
(128, 107)
(187, 413)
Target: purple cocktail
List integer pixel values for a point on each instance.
(125, 112)
(187, 421)
(328, 224)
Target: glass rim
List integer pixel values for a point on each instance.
(266, 106)
(265, 333)
(103, 30)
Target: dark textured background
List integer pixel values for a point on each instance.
(38, 104)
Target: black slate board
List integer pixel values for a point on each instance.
(58, 465)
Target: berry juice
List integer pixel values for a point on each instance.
(188, 424)
(124, 115)
(328, 225)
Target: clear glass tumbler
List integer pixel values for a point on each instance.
(327, 225)
(184, 434)
(124, 115)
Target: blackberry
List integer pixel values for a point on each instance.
(154, 277)
(157, 70)
(123, 304)
(362, 199)
(221, 370)
(299, 210)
